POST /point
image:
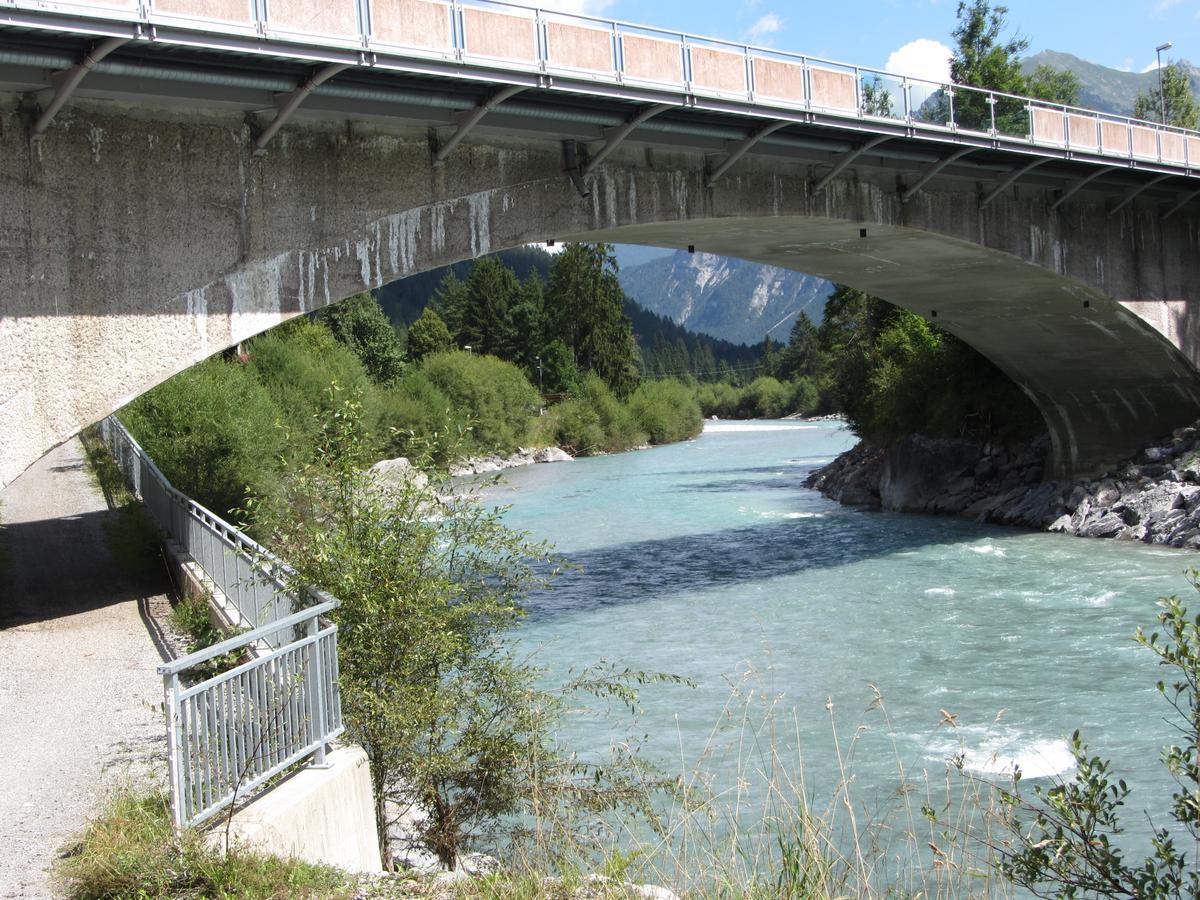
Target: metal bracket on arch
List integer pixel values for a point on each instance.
(571, 161)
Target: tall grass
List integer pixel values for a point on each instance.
(131, 851)
(766, 831)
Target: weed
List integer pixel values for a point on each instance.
(131, 850)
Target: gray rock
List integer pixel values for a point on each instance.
(1107, 493)
(1063, 524)
(1156, 454)
(397, 473)
(1106, 526)
(551, 454)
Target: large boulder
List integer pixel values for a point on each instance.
(398, 473)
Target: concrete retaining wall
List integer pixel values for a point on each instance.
(317, 815)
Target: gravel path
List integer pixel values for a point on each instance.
(80, 703)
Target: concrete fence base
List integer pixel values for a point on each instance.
(317, 815)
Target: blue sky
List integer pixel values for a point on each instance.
(1118, 34)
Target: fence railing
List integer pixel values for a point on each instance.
(279, 702)
(251, 579)
(523, 39)
(229, 734)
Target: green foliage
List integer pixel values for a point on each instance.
(665, 410)
(875, 98)
(1055, 85)
(296, 363)
(431, 584)
(428, 335)
(417, 419)
(764, 398)
(1182, 109)
(359, 324)
(584, 310)
(559, 373)
(801, 356)
(495, 396)
(212, 430)
(594, 420)
(1067, 849)
(720, 399)
(983, 58)
(893, 373)
(131, 851)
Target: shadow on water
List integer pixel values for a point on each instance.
(653, 569)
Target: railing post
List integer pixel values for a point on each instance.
(175, 740)
(317, 689)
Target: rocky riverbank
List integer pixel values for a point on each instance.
(1154, 497)
(481, 465)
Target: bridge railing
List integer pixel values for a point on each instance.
(280, 703)
(228, 734)
(524, 39)
(252, 580)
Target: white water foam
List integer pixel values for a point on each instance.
(1100, 599)
(940, 592)
(997, 755)
(987, 549)
(711, 427)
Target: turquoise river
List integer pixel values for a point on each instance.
(710, 560)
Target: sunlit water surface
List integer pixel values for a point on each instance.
(710, 560)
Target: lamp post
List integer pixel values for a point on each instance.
(1162, 97)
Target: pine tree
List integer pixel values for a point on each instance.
(584, 309)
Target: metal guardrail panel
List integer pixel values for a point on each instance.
(521, 39)
(229, 734)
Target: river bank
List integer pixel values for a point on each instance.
(1153, 498)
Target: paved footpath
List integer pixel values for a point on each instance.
(80, 703)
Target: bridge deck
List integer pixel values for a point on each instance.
(507, 68)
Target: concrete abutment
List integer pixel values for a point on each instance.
(135, 242)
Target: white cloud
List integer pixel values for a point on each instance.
(1127, 66)
(766, 25)
(1151, 67)
(922, 58)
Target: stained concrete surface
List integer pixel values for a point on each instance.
(80, 703)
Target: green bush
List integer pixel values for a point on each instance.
(297, 362)
(666, 411)
(616, 420)
(574, 426)
(805, 398)
(415, 419)
(719, 399)
(213, 431)
(131, 850)
(360, 325)
(495, 396)
(764, 398)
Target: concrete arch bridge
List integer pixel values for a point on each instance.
(172, 182)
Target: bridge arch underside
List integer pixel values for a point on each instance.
(135, 244)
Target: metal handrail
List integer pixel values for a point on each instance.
(255, 582)
(238, 641)
(264, 21)
(229, 734)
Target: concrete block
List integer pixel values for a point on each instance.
(317, 815)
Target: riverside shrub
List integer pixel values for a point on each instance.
(493, 395)
(213, 432)
(415, 417)
(296, 363)
(665, 411)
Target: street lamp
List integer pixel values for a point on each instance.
(1162, 98)
(539, 364)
